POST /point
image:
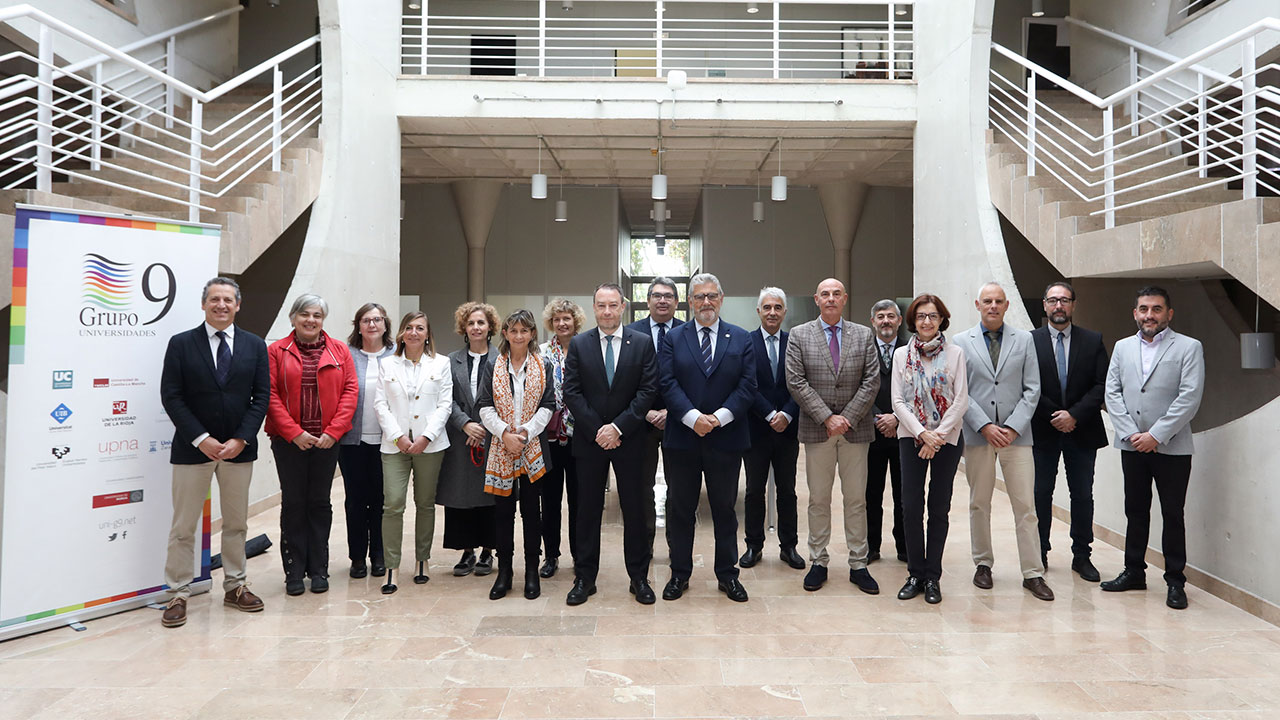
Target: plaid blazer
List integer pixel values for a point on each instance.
(821, 392)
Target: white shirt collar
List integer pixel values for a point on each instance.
(212, 332)
(715, 327)
(768, 335)
(654, 323)
(1160, 336)
(1053, 332)
(616, 333)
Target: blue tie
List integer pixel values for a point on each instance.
(662, 335)
(706, 349)
(608, 359)
(1061, 352)
(222, 362)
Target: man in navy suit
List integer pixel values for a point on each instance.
(707, 374)
(662, 301)
(773, 435)
(1068, 421)
(215, 387)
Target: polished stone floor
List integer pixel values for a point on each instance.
(443, 650)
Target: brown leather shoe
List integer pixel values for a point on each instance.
(982, 577)
(1038, 587)
(243, 600)
(175, 613)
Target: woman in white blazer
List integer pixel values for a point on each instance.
(413, 400)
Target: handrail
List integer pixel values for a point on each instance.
(1062, 82)
(1167, 57)
(163, 35)
(257, 70)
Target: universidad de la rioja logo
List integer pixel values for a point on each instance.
(109, 302)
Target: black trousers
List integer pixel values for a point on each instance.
(881, 455)
(306, 515)
(1080, 463)
(779, 451)
(686, 471)
(469, 528)
(562, 474)
(362, 482)
(526, 495)
(1171, 475)
(924, 550)
(635, 499)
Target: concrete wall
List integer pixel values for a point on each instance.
(433, 258)
(266, 31)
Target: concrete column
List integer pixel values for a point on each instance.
(842, 204)
(477, 201)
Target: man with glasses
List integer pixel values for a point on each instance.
(662, 320)
(1068, 421)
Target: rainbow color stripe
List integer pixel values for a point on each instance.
(106, 282)
(21, 230)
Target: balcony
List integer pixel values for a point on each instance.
(784, 40)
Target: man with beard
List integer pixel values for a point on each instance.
(1068, 421)
(883, 452)
(1154, 385)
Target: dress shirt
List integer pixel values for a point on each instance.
(1150, 350)
(214, 342)
(617, 353)
(475, 372)
(723, 414)
(986, 339)
(777, 340)
(534, 425)
(1066, 343)
(826, 333)
(653, 330)
(882, 346)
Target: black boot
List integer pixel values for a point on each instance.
(421, 578)
(501, 585)
(532, 585)
(390, 586)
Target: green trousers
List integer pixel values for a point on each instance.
(395, 489)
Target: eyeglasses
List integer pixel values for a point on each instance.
(703, 297)
(662, 296)
(927, 317)
(371, 321)
(1059, 301)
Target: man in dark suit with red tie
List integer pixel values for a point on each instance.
(1068, 421)
(773, 436)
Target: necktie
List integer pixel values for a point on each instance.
(706, 349)
(885, 355)
(1061, 352)
(222, 361)
(834, 345)
(608, 359)
(773, 354)
(662, 335)
(993, 347)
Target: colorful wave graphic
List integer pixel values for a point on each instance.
(106, 282)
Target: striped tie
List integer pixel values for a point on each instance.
(706, 349)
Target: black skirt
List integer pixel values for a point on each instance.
(467, 528)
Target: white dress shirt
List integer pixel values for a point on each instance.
(214, 342)
(777, 349)
(617, 345)
(534, 425)
(723, 414)
(475, 372)
(370, 430)
(1150, 350)
(653, 330)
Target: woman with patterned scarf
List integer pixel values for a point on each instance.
(930, 395)
(516, 400)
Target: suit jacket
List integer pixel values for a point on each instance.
(771, 391)
(1006, 395)
(593, 402)
(461, 483)
(821, 392)
(197, 404)
(1165, 402)
(642, 326)
(414, 410)
(884, 396)
(1086, 382)
(686, 385)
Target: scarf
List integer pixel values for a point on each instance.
(502, 469)
(931, 390)
(560, 431)
(309, 415)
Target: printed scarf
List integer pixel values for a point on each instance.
(931, 390)
(502, 468)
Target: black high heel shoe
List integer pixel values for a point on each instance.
(421, 578)
(390, 585)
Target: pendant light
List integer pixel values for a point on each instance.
(659, 189)
(1037, 8)
(562, 207)
(753, 8)
(779, 189)
(538, 188)
(757, 207)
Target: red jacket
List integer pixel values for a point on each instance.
(335, 376)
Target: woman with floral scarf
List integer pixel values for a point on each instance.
(563, 319)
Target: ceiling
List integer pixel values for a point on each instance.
(623, 153)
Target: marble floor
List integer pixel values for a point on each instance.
(443, 650)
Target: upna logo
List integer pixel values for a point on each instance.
(107, 291)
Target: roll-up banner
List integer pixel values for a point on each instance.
(86, 490)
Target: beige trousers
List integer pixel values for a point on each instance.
(821, 462)
(1018, 466)
(190, 488)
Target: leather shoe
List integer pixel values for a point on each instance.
(642, 591)
(294, 587)
(1085, 569)
(1038, 587)
(359, 569)
(815, 578)
(1126, 580)
(792, 558)
(378, 567)
(549, 567)
(579, 593)
(175, 613)
(982, 577)
(674, 589)
(501, 584)
(319, 584)
(873, 556)
(932, 592)
(733, 589)
(484, 563)
(864, 581)
(466, 565)
(532, 585)
(750, 557)
(911, 589)
(243, 600)
(1177, 597)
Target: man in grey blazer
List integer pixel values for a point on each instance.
(1154, 385)
(833, 372)
(1004, 388)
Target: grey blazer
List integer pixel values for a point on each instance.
(822, 392)
(361, 362)
(1165, 402)
(1006, 395)
(461, 483)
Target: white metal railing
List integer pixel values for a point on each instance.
(853, 39)
(1176, 129)
(121, 119)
